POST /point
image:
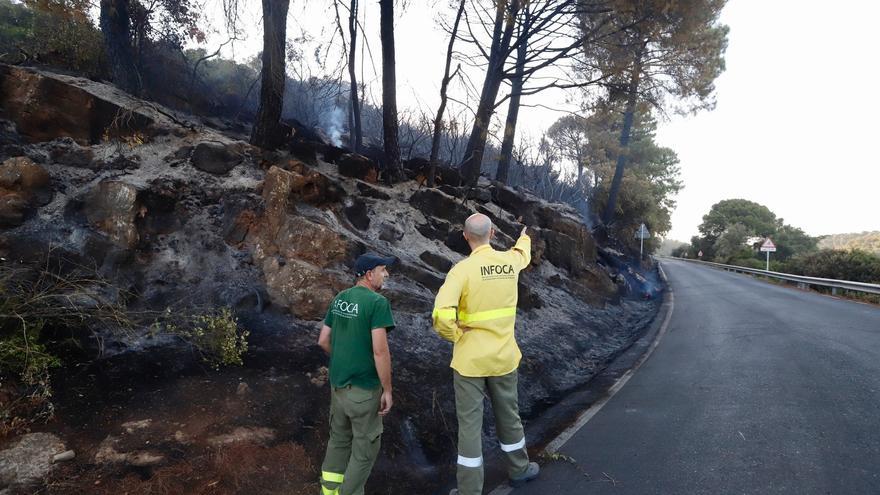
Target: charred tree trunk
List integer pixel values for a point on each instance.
(268, 132)
(389, 92)
(628, 116)
(115, 24)
(356, 140)
(444, 85)
(513, 108)
(473, 153)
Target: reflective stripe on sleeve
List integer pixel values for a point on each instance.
(332, 477)
(446, 313)
(327, 491)
(513, 446)
(487, 315)
(471, 462)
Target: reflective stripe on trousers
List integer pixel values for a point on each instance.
(471, 462)
(331, 477)
(512, 447)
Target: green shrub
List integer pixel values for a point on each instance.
(216, 335)
(854, 265)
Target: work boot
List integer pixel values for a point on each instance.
(530, 473)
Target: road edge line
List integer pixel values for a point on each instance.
(566, 435)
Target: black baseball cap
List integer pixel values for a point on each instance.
(368, 261)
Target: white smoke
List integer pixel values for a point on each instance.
(331, 123)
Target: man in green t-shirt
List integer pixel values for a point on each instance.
(355, 335)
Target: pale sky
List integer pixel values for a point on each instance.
(793, 130)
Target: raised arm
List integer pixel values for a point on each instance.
(523, 248)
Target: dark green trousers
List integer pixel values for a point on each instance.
(502, 394)
(355, 437)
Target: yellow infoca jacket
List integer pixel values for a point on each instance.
(480, 293)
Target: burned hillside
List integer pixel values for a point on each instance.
(174, 216)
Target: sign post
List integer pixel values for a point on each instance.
(641, 235)
(768, 247)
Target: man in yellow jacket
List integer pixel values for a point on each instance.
(476, 311)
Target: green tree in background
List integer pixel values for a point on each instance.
(663, 52)
(791, 241)
(757, 218)
(647, 192)
(732, 224)
(732, 244)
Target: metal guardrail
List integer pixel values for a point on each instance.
(802, 281)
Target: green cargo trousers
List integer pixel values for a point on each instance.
(502, 393)
(355, 431)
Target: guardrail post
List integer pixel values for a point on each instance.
(834, 291)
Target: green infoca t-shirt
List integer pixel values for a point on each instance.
(352, 316)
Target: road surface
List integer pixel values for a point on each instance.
(754, 389)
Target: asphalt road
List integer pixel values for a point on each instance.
(754, 389)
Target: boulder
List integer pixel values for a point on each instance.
(13, 209)
(236, 232)
(28, 461)
(434, 229)
(480, 194)
(435, 203)
(22, 174)
(216, 158)
(304, 150)
(120, 162)
(303, 239)
(332, 154)
(47, 106)
(355, 211)
(276, 194)
(455, 241)
(390, 232)
(24, 185)
(449, 176)
(436, 261)
(67, 152)
(515, 202)
(374, 192)
(422, 276)
(358, 167)
(501, 223)
(315, 188)
(301, 287)
(302, 184)
(111, 207)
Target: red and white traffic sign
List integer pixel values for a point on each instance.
(768, 246)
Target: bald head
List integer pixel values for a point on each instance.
(478, 228)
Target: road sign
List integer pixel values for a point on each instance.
(641, 235)
(700, 254)
(768, 246)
